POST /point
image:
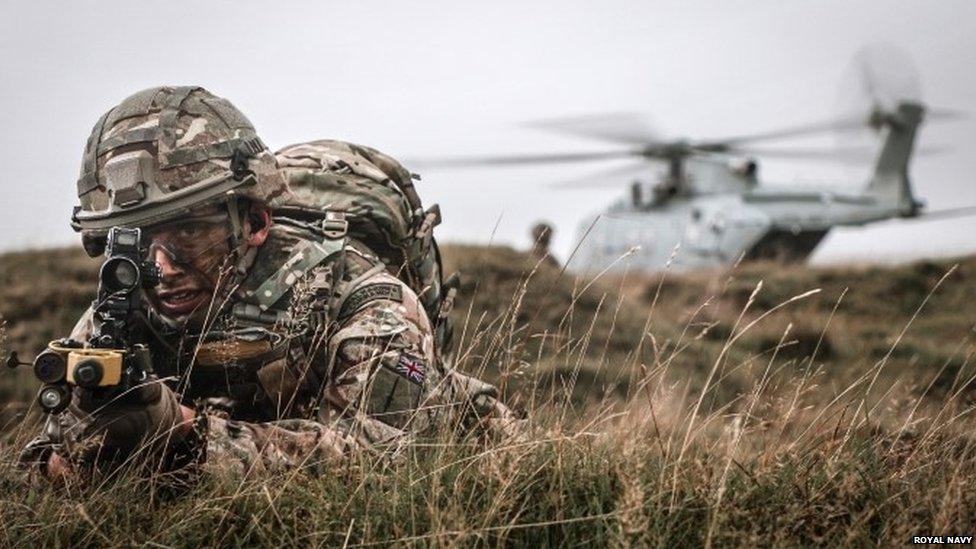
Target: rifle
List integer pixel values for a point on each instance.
(112, 361)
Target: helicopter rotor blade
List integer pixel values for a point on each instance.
(949, 213)
(622, 127)
(856, 123)
(939, 114)
(849, 155)
(837, 125)
(522, 160)
(606, 178)
(879, 77)
(859, 154)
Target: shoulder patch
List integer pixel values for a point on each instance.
(411, 367)
(369, 293)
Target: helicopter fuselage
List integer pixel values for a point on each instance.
(702, 231)
(716, 214)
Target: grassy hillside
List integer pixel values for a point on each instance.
(764, 404)
(914, 317)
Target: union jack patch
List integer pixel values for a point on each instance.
(412, 368)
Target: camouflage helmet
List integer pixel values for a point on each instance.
(164, 151)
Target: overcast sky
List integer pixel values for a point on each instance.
(422, 79)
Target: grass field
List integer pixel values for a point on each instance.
(763, 405)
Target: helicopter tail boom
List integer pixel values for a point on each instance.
(890, 181)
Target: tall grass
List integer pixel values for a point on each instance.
(721, 409)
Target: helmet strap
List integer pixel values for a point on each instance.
(236, 241)
(246, 260)
(236, 225)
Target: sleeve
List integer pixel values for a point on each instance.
(387, 369)
(382, 358)
(234, 449)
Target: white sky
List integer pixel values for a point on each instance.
(422, 79)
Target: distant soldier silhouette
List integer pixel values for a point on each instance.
(541, 237)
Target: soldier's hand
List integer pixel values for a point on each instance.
(147, 414)
(59, 469)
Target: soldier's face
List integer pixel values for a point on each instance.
(191, 254)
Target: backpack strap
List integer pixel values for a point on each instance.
(339, 301)
(306, 256)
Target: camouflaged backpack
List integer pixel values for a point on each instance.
(376, 197)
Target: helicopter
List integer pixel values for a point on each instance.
(709, 208)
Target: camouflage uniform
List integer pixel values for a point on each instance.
(318, 350)
(354, 367)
